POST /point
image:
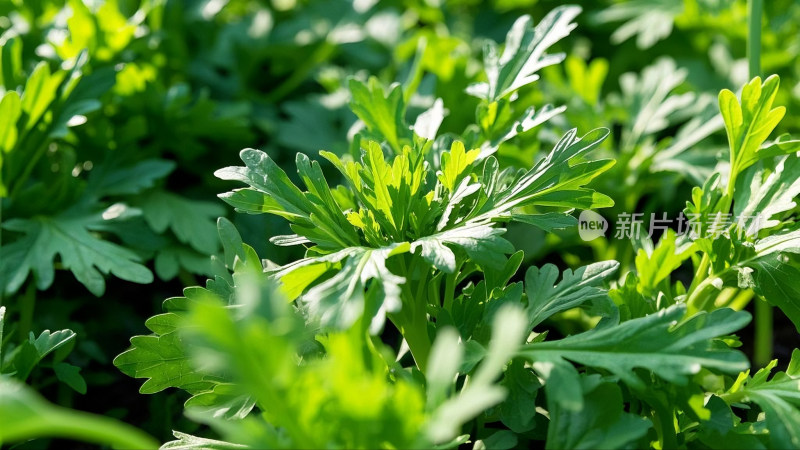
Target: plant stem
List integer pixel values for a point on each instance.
(763, 311)
(701, 273)
(27, 306)
(741, 300)
(82, 426)
(416, 335)
(695, 301)
(754, 10)
(762, 350)
(412, 319)
(449, 290)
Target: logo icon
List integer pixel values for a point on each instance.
(591, 225)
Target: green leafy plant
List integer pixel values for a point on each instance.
(415, 237)
(426, 286)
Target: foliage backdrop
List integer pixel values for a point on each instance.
(442, 212)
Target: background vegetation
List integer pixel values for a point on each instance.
(116, 114)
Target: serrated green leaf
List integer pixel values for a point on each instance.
(524, 53)
(481, 242)
(651, 99)
(778, 397)
(749, 122)
(650, 21)
(657, 265)
(164, 362)
(71, 376)
(553, 181)
(601, 423)
(546, 298)
(340, 300)
(110, 179)
(454, 163)
(68, 236)
(657, 343)
(383, 115)
(262, 174)
(192, 221)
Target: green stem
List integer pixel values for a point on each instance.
(696, 301)
(81, 426)
(724, 297)
(741, 300)
(754, 11)
(27, 307)
(449, 290)
(762, 350)
(699, 277)
(416, 335)
(763, 311)
(412, 320)
(421, 285)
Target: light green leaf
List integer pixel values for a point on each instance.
(650, 21)
(508, 330)
(40, 91)
(657, 265)
(427, 123)
(225, 400)
(10, 110)
(383, 115)
(556, 180)
(778, 397)
(275, 188)
(444, 361)
(524, 53)
(749, 122)
(650, 98)
(454, 163)
(340, 300)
